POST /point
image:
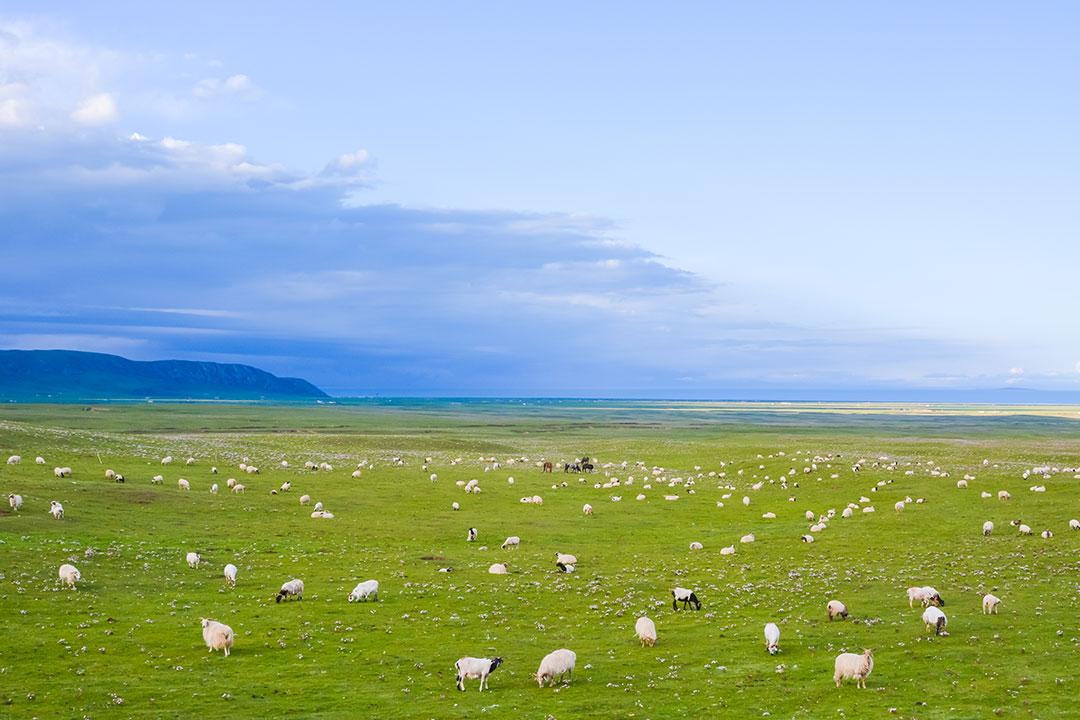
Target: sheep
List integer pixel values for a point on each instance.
(646, 631)
(214, 489)
(1047, 534)
(305, 499)
(1003, 495)
(15, 501)
(848, 512)
(193, 560)
(365, 590)
(230, 483)
(286, 486)
(899, 506)
(961, 484)
(868, 509)
(558, 663)
(230, 575)
(537, 500)
(499, 569)
(511, 542)
(808, 538)
(217, 636)
(251, 470)
(475, 668)
(39, 460)
(933, 617)
(772, 638)
(565, 559)
(988, 528)
(990, 604)
(355, 474)
(166, 460)
(984, 495)
(213, 471)
(292, 588)
(748, 538)
(926, 595)
(62, 472)
(686, 597)
(323, 514)
(56, 510)
(472, 535)
(454, 506)
(1024, 529)
(729, 550)
(183, 484)
(696, 545)
(587, 509)
(190, 461)
(238, 488)
(769, 516)
(746, 500)
(318, 506)
(109, 474)
(810, 516)
(70, 574)
(1074, 524)
(850, 666)
(836, 609)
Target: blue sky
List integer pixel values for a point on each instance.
(611, 199)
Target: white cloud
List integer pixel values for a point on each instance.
(97, 109)
(238, 85)
(1078, 366)
(348, 164)
(1016, 371)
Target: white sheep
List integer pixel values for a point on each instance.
(286, 486)
(1074, 524)
(988, 528)
(587, 509)
(323, 514)
(365, 590)
(808, 538)
(305, 499)
(292, 588)
(836, 609)
(990, 604)
(748, 538)
(729, 550)
(868, 509)
(848, 512)
(556, 664)
(810, 516)
(472, 535)
(70, 574)
(454, 506)
(772, 638)
(696, 545)
(475, 668)
(1003, 495)
(355, 474)
(15, 501)
(318, 506)
(214, 489)
(110, 474)
(849, 666)
(1024, 529)
(769, 516)
(1047, 534)
(62, 472)
(899, 506)
(213, 471)
(537, 500)
(511, 543)
(646, 631)
(498, 569)
(238, 488)
(217, 636)
(230, 575)
(230, 483)
(961, 484)
(39, 460)
(251, 470)
(933, 617)
(183, 484)
(193, 559)
(166, 460)
(56, 510)
(190, 461)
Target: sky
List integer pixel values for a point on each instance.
(558, 199)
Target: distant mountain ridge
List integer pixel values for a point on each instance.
(55, 375)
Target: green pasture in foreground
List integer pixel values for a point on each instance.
(127, 643)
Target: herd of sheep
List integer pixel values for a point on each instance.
(559, 665)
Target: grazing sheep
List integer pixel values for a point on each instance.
(686, 597)
(214, 489)
(454, 506)
(990, 604)
(193, 559)
(810, 517)
(587, 509)
(56, 510)
(565, 559)
(190, 461)
(985, 495)
(230, 575)
(166, 460)
(848, 512)
(868, 509)
(850, 666)
(769, 516)
(183, 484)
(1074, 524)
(15, 501)
(286, 486)
(646, 631)
(39, 460)
(511, 542)
(251, 470)
(696, 546)
(62, 472)
(808, 538)
(217, 636)
(962, 484)
(318, 506)
(1047, 534)
(1003, 495)
(1024, 529)
(323, 514)
(748, 538)
(558, 663)
(746, 500)
(729, 550)
(238, 488)
(305, 499)
(70, 574)
(925, 595)
(772, 638)
(109, 474)
(498, 569)
(472, 535)
(230, 483)
(836, 609)
(365, 590)
(355, 474)
(475, 668)
(293, 588)
(899, 507)
(988, 528)
(933, 617)
(213, 471)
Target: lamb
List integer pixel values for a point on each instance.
(454, 506)
(230, 575)
(686, 597)
(1047, 534)
(558, 663)
(729, 550)
(836, 609)
(62, 472)
(587, 509)
(318, 506)
(286, 486)
(500, 569)
(70, 574)
(1074, 524)
(935, 618)
(749, 538)
(772, 638)
(808, 538)
(15, 501)
(988, 528)
(355, 474)
(810, 516)
(1003, 495)
(305, 499)
(850, 666)
(696, 546)
(899, 506)
(183, 484)
(214, 489)
(238, 488)
(472, 535)
(990, 604)
(511, 542)
(39, 460)
(365, 590)
(14, 460)
(56, 510)
(110, 474)
(293, 588)
(193, 560)
(230, 483)
(475, 668)
(848, 512)
(1024, 529)
(217, 636)
(565, 559)
(646, 631)
(962, 484)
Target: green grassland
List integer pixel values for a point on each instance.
(127, 642)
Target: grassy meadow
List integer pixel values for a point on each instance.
(127, 642)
